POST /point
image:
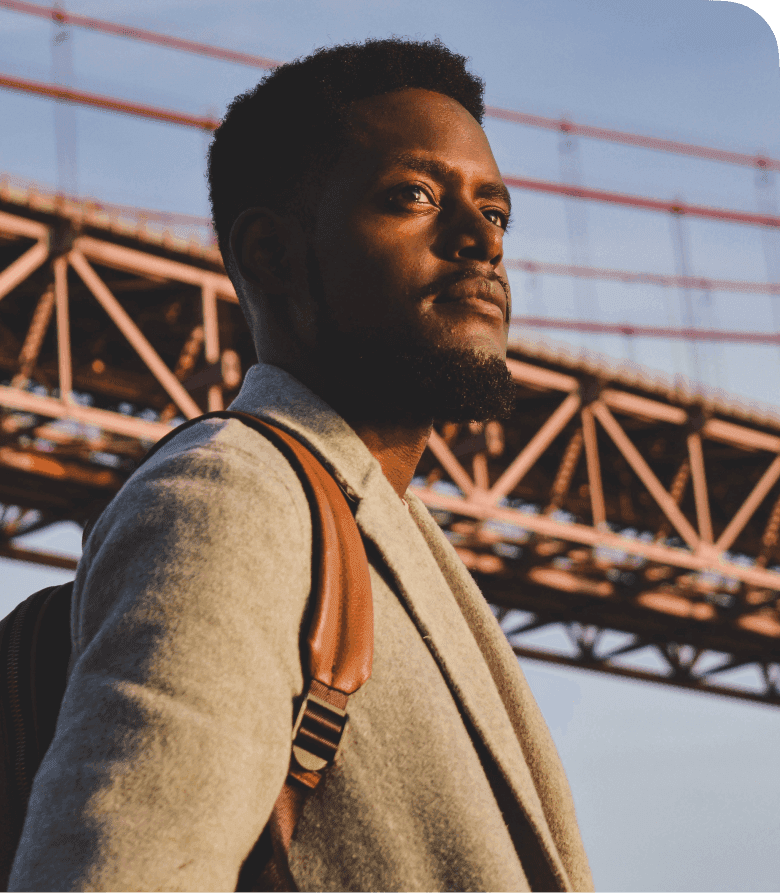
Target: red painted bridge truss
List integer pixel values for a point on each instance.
(636, 522)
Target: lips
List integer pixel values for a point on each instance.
(474, 291)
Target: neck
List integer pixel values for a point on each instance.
(397, 448)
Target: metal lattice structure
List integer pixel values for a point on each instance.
(108, 334)
(612, 505)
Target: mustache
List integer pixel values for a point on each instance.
(464, 275)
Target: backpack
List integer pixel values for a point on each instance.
(35, 651)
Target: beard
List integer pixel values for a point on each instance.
(381, 378)
(390, 376)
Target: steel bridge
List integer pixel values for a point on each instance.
(639, 516)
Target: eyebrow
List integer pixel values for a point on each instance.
(441, 171)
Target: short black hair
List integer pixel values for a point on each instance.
(278, 141)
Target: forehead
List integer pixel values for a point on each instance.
(387, 130)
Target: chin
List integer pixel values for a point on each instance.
(454, 384)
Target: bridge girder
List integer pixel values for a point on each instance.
(610, 504)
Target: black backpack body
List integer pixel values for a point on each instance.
(34, 655)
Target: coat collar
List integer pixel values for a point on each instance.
(466, 642)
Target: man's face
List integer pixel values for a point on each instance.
(406, 264)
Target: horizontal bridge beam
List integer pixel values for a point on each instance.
(130, 260)
(33, 556)
(629, 330)
(613, 669)
(52, 408)
(581, 533)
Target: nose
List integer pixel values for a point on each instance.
(473, 237)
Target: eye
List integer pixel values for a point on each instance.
(501, 218)
(414, 195)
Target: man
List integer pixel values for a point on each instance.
(360, 213)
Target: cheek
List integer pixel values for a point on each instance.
(371, 269)
(398, 257)
(355, 265)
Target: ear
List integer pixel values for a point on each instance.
(260, 244)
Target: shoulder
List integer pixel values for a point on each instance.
(214, 512)
(227, 449)
(214, 466)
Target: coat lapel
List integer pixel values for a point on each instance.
(445, 605)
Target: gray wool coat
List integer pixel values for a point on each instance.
(173, 741)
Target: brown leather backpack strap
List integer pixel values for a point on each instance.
(341, 648)
(341, 636)
(340, 642)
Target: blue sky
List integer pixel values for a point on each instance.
(675, 791)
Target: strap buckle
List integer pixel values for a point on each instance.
(317, 733)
